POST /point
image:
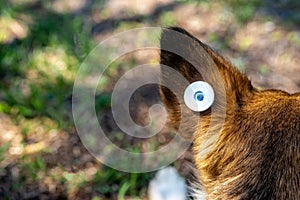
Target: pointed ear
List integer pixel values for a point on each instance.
(196, 61)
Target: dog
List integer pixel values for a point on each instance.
(247, 144)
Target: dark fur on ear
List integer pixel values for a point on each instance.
(197, 61)
(235, 82)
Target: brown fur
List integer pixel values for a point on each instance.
(252, 149)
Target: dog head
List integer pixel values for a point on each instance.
(247, 144)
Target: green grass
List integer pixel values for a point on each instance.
(32, 168)
(242, 9)
(167, 19)
(37, 74)
(264, 70)
(110, 181)
(39, 70)
(3, 149)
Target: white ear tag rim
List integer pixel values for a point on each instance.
(204, 102)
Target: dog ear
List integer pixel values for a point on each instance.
(196, 61)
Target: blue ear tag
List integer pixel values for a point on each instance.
(199, 96)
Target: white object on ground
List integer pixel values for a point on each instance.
(167, 185)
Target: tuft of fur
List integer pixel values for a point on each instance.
(247, 146)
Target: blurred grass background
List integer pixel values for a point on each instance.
(42, 44)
